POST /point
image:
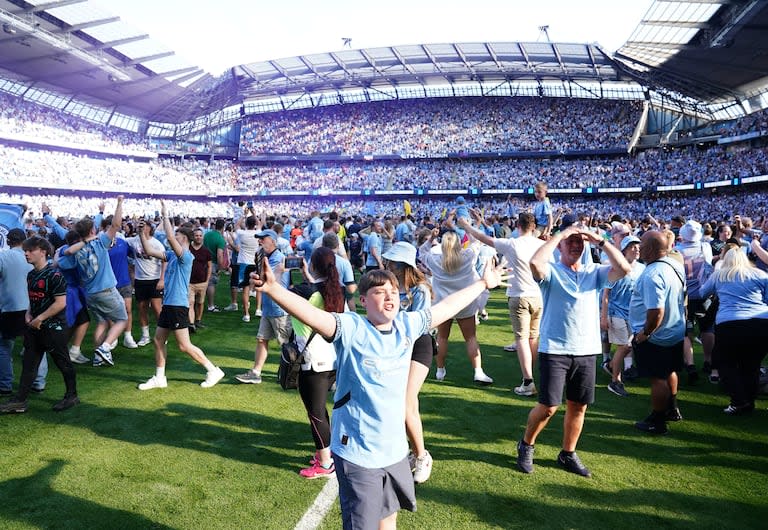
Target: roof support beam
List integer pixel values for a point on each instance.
(85, 25)
(118, 42)
(148, 58)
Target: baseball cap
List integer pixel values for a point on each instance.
(568, 220)
(266, 233)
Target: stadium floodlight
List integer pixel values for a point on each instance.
(15, 24)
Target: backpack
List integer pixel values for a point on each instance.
(291, 360)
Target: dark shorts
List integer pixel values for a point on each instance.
(368, 495)
(424, 350)
(82, 317)
(574, 372)
(657, 361)
(146, 289)
(173, 317)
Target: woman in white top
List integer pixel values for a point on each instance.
(452, 269)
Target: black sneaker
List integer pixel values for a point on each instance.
(693, 374)
(13, 406)
(66, 403)
(200, 325)
(617, 387)
(524, 457)
(737, 410)
(630, 374)
(673, 415)
(652, 425)
(572, 464)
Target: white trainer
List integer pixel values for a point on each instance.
(154, 382)
(129, 343)
(213, 377)
(440, 374)
(510, 347)
(246, 318)
(526, 390)
(143, 341)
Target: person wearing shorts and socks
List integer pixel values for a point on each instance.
(570, 339)
(91, 256)
(149, 279)
(175, 313)
(657, 317)
(373, 357)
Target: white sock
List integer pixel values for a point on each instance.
(145, 331)
(74, 349)
(106, 346)
(209, 366)
(160, 372)
(127, 334)
(479, 371)
(627, 363)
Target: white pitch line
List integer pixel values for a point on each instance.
(323, 502)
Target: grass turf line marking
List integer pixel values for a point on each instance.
(323, 502)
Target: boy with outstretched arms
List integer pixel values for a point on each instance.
(368, 438)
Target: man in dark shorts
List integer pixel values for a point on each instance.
(570, 338)
(148, 282)
(657, 317)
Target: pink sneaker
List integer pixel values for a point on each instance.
(317, 471)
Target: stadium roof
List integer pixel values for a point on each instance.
(710, 50)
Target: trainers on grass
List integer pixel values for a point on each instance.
(440, 374)
(249, 377)
(77, 357)
(572, 464)
(422, 468)
(143, 341)
(606, 366)
(617, 387)
(212, 377)
(483, 379)
(231, 307)
(246, 318)
(510, 347)
(524, 457)
(673, 414)
(526, 390)
(67, 403)
(652, 425)
(13, 406)
(154, 382)
(105, 356)
(318, 471)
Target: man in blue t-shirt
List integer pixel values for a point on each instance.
(368, 439)
(570, 338)
(375, 246)
(657, 317)
(274, 323)
(91, 257)
(174, 315)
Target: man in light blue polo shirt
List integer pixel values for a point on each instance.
(375, 246)
(570, 338)
(657, 317)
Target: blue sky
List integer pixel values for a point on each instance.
(219, 34)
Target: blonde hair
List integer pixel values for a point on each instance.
(451, 247)
(735, 267)
(541, 185)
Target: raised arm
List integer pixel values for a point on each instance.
(117, 219)
(149, 251)
(452, 304)
(318, 319)
(474, 232)
(168, 227)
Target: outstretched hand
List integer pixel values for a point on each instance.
(494, 276)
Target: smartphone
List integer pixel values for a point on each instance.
(293, 262)
(259, 261)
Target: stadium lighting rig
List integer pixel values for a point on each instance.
(12, 24)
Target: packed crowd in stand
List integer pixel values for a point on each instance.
(647, 169)
(444, 125)
(29, 119)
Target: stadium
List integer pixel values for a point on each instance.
(672, 123)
